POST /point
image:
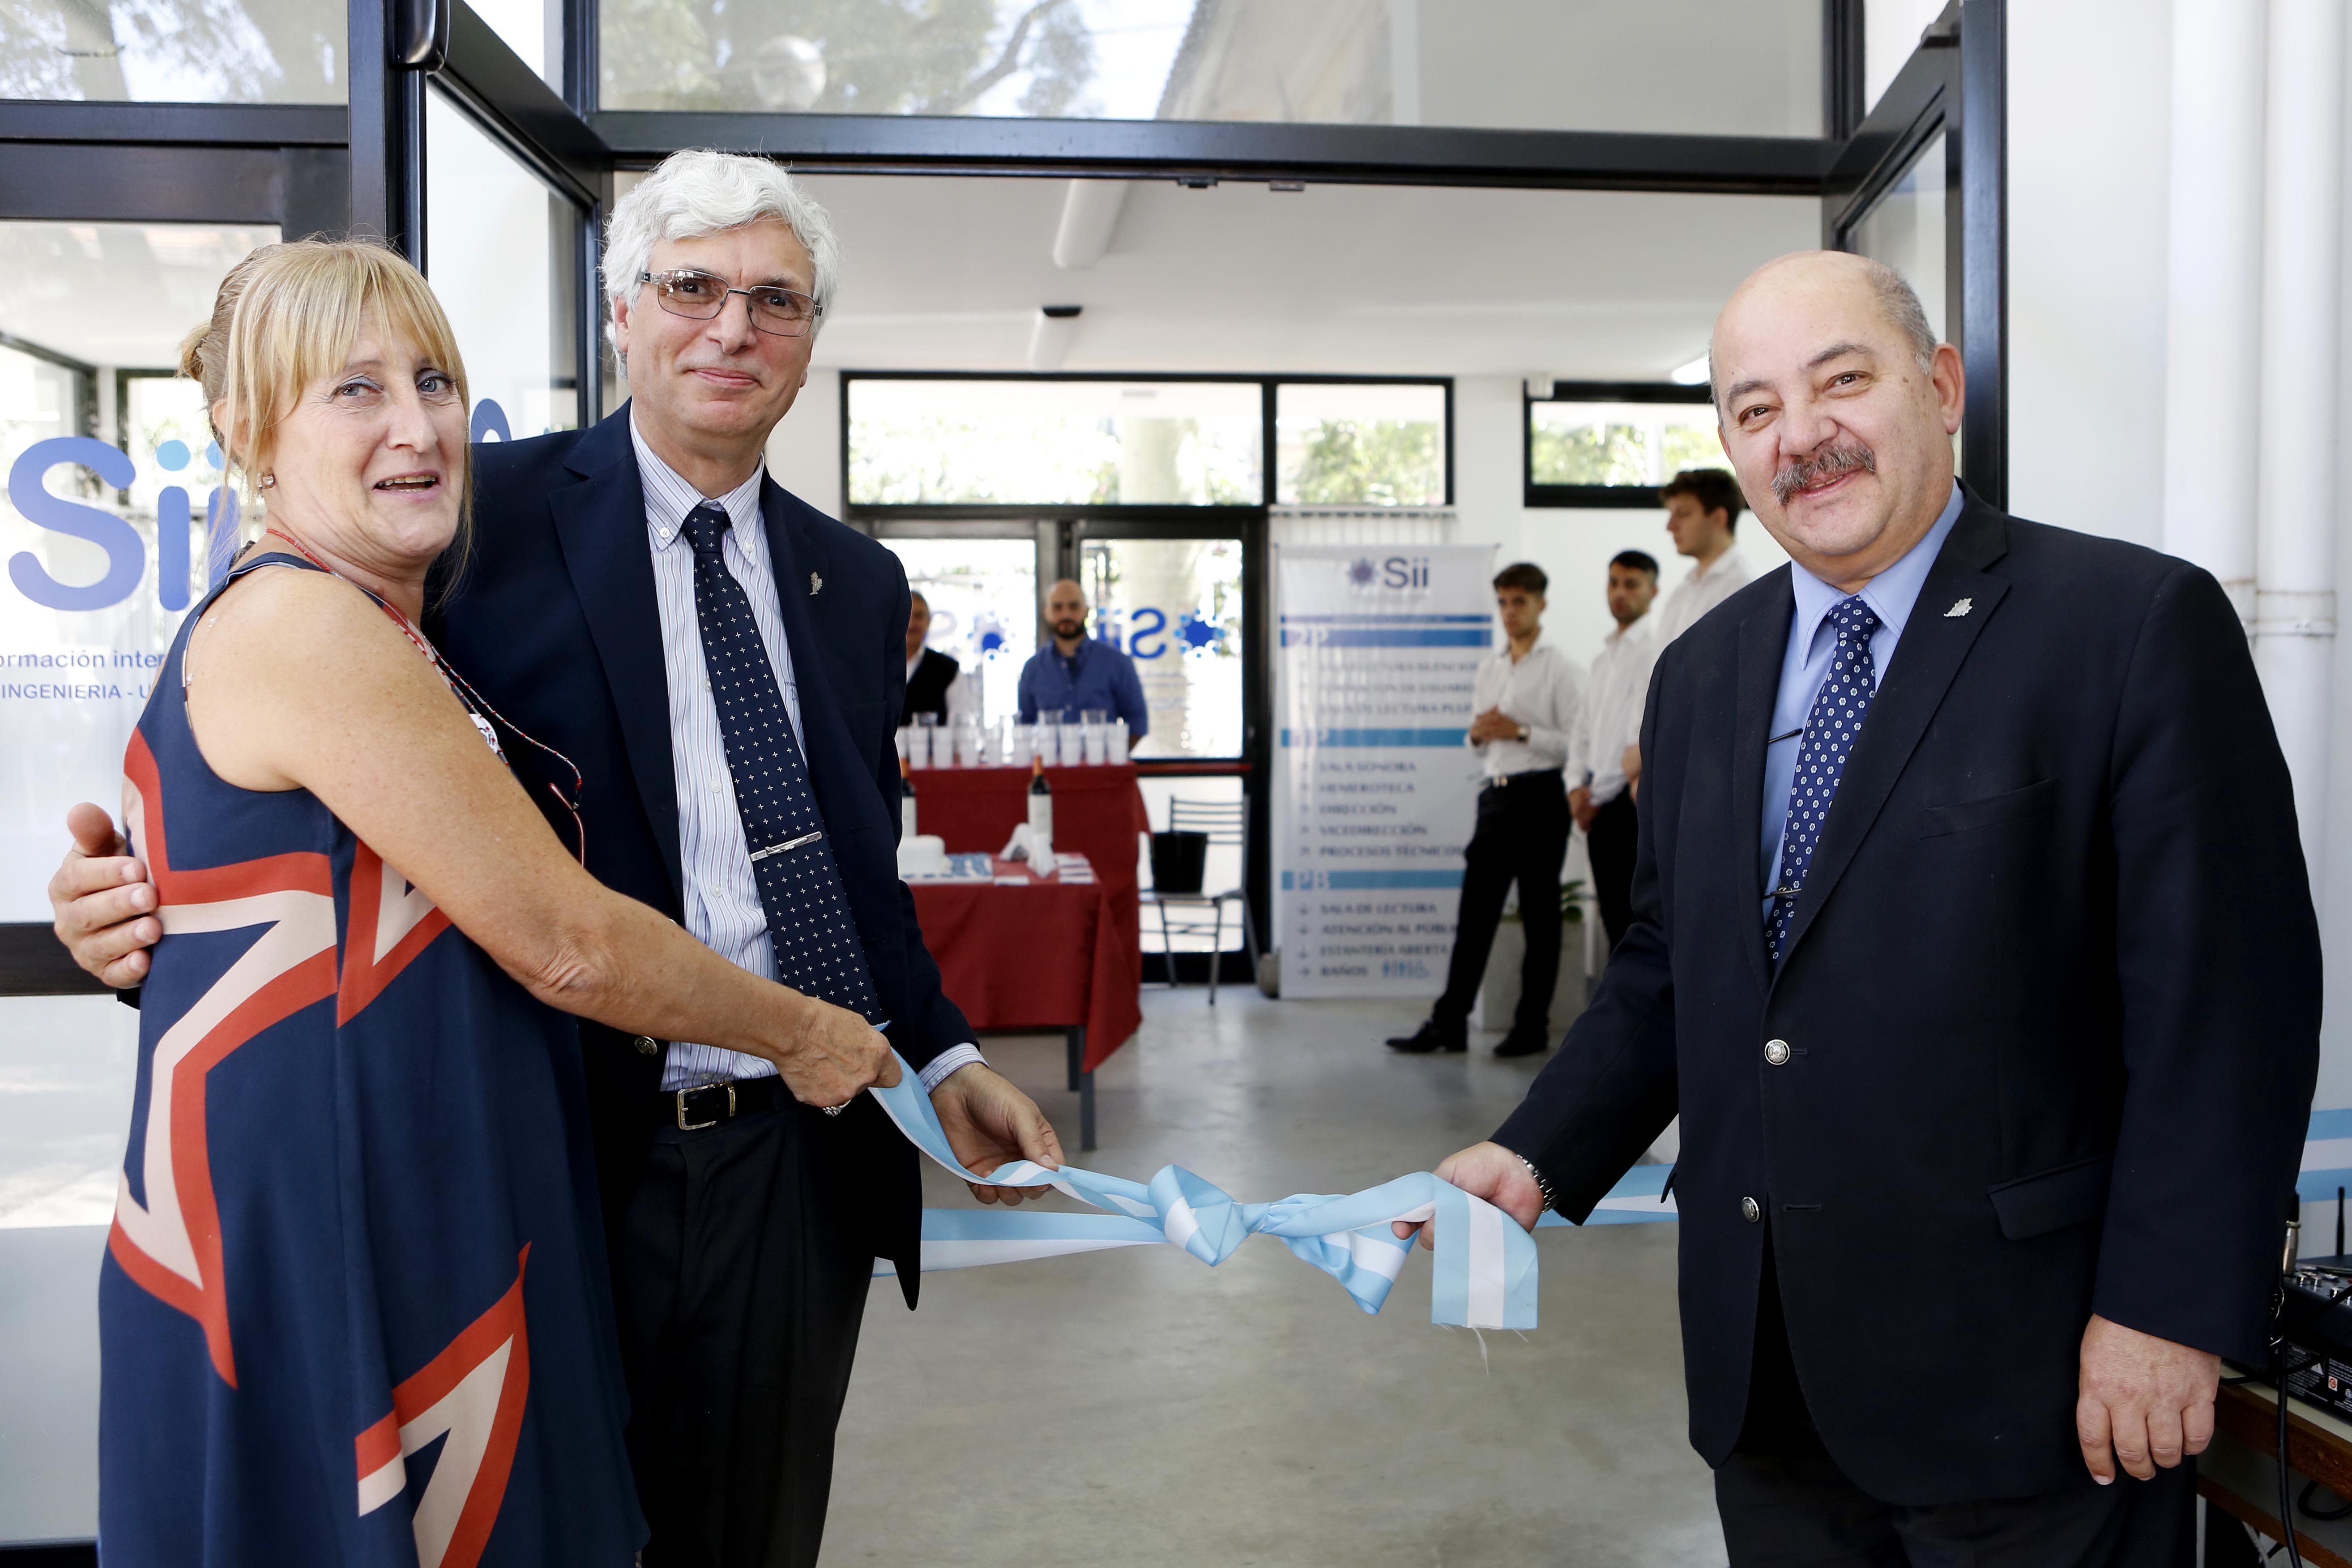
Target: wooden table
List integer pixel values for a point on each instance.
(1026, 952)
(2239, 1474)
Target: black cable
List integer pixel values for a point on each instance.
(2285, 1489)
(2303, 1504)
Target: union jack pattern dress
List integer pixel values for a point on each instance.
(354, 1310)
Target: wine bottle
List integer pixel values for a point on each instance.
(1041, 819)
(906, 802)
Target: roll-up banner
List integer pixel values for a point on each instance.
(1375, 792)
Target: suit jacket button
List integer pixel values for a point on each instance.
(1777, 1052)
(1750, 1210)
(646, 1046)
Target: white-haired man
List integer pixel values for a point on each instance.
(712, 653)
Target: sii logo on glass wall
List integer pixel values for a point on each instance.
(1147, 636)
(126, 553)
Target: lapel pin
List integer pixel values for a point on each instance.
(1959, 607)
(816, 585)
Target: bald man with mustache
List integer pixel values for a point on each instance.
(1974, 946)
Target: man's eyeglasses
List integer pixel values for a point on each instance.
(700, 296)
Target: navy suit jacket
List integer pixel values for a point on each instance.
(554, 621)
(2050, 1001)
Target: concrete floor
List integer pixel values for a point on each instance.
(1135, 1409)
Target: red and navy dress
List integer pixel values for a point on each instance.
(355, 1308)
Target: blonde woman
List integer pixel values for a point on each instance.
(355, 1308)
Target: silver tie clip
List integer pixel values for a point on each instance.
(760, 855)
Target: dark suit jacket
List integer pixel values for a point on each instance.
(2051, 995)
(554, 622)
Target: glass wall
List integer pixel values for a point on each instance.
(66, 1065)
(174, 51)
(106, 560)
(1175, 606)
(1055, 443)
(498, 247)
(984, 596)
(1728, 67)
(1354, 444)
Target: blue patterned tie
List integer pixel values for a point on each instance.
(1829, 733)
(809, 924)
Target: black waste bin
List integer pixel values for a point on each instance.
(1177, 861)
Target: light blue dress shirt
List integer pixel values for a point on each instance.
(1892, 595)
(722, 892)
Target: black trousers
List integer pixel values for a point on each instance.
(1521, 836)
(1609, 844)
(740, 1297)
(1786, 1504)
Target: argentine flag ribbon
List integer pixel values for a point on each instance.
(1486, 1264)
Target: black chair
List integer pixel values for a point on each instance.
(1226, 822)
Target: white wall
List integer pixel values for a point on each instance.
(2089, 119)
(2088, 205)
(804, 452)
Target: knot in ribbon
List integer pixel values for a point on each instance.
(1485, 1264)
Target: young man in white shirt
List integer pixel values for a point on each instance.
(1703, 508)
(1526, 704)
(1610, 726)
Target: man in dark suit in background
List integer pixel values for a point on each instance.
(935, 682)
(647, 601)
(1974, 946)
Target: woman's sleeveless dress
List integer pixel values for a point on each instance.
(355, 1308)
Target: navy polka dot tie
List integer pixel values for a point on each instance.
(1829, 733)
(809, 924)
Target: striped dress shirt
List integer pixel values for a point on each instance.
(721, 893)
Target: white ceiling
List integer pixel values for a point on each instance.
(948, 273)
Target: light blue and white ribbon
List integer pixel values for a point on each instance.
(1485, 1264)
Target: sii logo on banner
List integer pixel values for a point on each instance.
(126, 553)
(1396, 571)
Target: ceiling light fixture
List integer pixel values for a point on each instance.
(1050, 336)
(1691, 374)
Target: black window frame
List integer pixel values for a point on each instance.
(1593, 497)
(862, 513)
(356, 168)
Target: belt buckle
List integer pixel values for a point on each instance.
(686, 1126)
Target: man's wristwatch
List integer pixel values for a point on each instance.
(1543, 1185)
(1524, 733)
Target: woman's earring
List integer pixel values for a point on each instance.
(268, 480)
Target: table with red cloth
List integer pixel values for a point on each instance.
(1098, 812)
(1030, 953)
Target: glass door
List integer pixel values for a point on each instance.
(1175, 606)
(112, 526)
(1918, 185)
(983, 584)
(502, 246)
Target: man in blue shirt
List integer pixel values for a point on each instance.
(1074, 672)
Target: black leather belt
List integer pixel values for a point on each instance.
(1530, 776)
(709, 1104)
